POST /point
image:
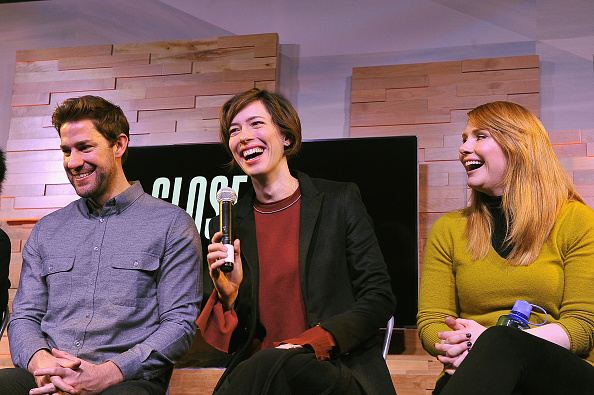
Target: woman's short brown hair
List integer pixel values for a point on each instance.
(280, 109)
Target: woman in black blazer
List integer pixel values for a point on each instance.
(309, 289)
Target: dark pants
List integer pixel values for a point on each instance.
(17, 381)
(507, 360)
(294, 371)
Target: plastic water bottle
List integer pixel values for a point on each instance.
(518, 317)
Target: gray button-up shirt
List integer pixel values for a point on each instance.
(121, 285)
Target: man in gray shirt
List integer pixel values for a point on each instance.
(110, 285)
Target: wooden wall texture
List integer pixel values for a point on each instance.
(431, 100)
(171, 93)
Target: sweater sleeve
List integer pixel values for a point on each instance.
(217, 325)
(29, 307)
(437, 292)
(575, 239)
(317, 338)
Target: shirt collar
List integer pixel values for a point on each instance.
(116, 204)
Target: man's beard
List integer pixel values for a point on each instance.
(96, 189)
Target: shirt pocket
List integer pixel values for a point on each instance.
(134, 280)
(57, 274)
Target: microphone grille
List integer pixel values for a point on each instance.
(226, 194)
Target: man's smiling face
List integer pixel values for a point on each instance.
(89, 160)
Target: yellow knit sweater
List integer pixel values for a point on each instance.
(561, 280)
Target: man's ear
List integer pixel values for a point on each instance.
(121, 145)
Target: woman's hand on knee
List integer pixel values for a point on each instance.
(453, 346)
(463, 331)
(456, 344)
(452, 363)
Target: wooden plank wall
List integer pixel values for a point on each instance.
(575, 150)
(430, 100)
(170, 91)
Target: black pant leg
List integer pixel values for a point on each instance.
(16, 381)
(296, 371)
(507, 360)
(441, 382)
(136, 387)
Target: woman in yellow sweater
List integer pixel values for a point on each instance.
(526, 235)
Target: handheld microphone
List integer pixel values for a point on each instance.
(226, 198)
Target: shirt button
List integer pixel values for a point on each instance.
(96, 248)
(51, 268)
(135, 263)
(77, 344)
(100, 219)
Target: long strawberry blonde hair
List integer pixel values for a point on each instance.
(535, 186)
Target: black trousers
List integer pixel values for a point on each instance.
(507, 360)
(17, 381)
(294, 371)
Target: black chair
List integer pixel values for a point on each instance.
(5, 320)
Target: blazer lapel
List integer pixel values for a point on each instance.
(311, 204)
(245, 226)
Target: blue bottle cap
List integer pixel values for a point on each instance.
(522, 309)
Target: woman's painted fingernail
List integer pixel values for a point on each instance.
(469, 344)
(468, 335)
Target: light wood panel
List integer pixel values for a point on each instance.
(170, 91)
(174, 98)
(430, 100)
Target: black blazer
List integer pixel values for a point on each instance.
(344, 280)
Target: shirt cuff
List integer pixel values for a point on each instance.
(130, 364)
(317, 338)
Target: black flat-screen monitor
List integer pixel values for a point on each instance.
(384, 169)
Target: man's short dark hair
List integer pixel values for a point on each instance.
(109, 119)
